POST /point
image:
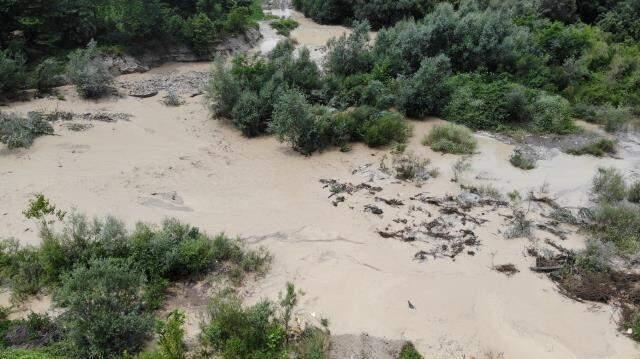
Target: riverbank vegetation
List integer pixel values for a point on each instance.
(35, 38)
(495, 66)
(107, 280)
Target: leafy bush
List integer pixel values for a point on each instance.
(408, 351)
(598, 148)
(609, 185)
(551, 113)
(612, 118)
(222, 91)
(171, 342)
(521, 160)
(385, 128)
(173, 251)
(634, 193)
(236, 332)
(622, 22)
(293, 122)
(246, 115)
(47, 75)
(90, 75)
(618, 223)
(105, 310)
(284, 26)
(173, 99)
(12, 73)
(426, 92)
(451, 138)
(350, 54)
(18, 132)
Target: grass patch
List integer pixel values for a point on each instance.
(600, 148)
(284, 26)
(16, 132)
(608, 185)
(451, 138)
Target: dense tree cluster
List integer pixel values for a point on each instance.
(36, 35)
(379, 13)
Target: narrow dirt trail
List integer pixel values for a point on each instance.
(177, 162)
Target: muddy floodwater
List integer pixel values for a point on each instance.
(178, 162)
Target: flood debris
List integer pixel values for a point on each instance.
(373, 209)
(508, 269)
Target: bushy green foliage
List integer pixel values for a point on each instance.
(237, 332)
(634, 192)
(85, 70)
(109, 280)
(16, 131)
(12, 73)
(552, 113)
(47, 75)
(294, 122)
(609, 185)
(522, 161)
(426, 92)
(384, 129)
(379, 13)
(284, 26)
(247, 92)
(451, 138)
(611, 117)
(409, 352)
(104, 304)
(350, 54)
(618, 223)
(259, 331)
(599, 148)
(622, 21)
(171, 338)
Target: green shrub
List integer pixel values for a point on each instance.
(451, 138)
(293, 122)
(18, 132)
(608, 185)
(426, 92)
(611, 117)
(90, 75)
(47, 75)
(104, 314)
(21, 269)
(597, 256)
(551, 113)
(223, 91)
(603, 146)
(350, 54)
(385, 128)
(618, 223)
(284, 26)
(236, 332)
(634, 193)
(520, 160)
(171, 342)
(238, 20)
(409, 351)
(12, 73)
(172, 99)
(200, 33)
(246, 115)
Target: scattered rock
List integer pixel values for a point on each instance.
(373, 209)
(143, 91)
